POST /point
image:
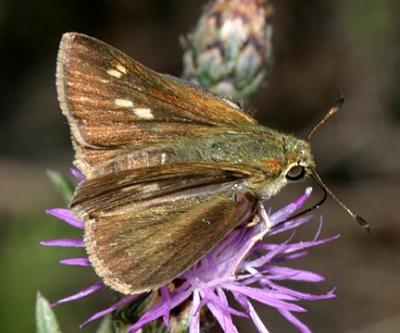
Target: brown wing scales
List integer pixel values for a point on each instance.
(144, 228)
(145, 246)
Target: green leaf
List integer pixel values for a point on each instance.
(62, 184)
(46, 321)
(106, 325)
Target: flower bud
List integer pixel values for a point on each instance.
(229, 51)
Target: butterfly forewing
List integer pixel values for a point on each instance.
(112, 102)
(142, 232)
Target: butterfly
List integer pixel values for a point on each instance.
(170, 169)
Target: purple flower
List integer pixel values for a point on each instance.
(241, 265)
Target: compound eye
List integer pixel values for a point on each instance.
(295, 173)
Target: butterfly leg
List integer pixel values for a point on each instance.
(256, 219)
(265, 226)
(239, 191)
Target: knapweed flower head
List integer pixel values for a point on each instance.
(244, 266)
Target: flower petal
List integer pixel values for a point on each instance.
(121, 303)
(210, 296)
(194, 319)
(292, 256)
(290, 225)
(286, 273)
(257, 320)
(66, 216)
(297, 323)
(227, 319)
(320, 226)
(166, 298)
(300, 246)
(271, 298)
(224, 319)
(68, 242)
(83, 293)
(243, 301)
(305, 296)
(84, 261)
(285, 212)
(79, 176)
(262, 260)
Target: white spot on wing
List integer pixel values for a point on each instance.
(130, 188)
(82, 99)
(114, 72)
(163, 158)
(143, 113)
(141, 188)
(125, 103)
(150, 188)
(121, 69)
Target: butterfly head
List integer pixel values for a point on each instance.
(291, 162)
(299, 159)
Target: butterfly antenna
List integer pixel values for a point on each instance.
(332, 110)
(364, 224)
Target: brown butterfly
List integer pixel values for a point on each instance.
(170, 168)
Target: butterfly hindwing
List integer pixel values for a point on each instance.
(158, 225)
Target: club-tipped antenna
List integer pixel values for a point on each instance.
(332, 110)
(362, 223)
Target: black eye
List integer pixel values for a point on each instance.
(295, 173)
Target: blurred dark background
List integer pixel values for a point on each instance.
(321, 48)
